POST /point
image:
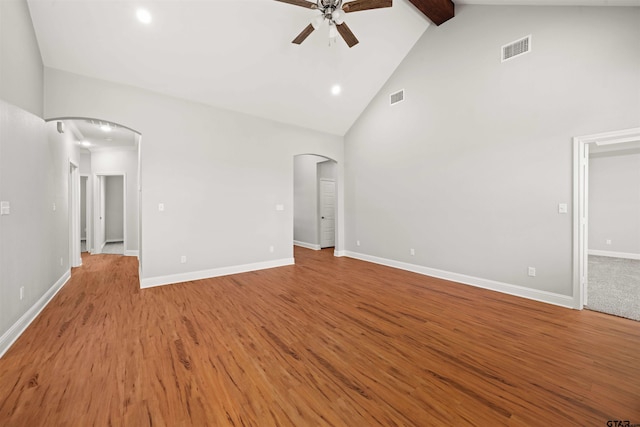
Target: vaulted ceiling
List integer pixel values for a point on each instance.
(238, 55)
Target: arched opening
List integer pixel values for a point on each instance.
(104, 187)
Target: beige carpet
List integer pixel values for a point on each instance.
(614, 286)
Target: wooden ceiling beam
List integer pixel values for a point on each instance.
(438, 11)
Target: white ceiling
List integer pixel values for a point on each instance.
(234, 54)
(237, 54)
(97, 138)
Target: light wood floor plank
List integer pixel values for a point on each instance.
(327, 342)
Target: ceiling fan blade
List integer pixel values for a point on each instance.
(347, 35)
(301, 3)
(303, 35)
(358, 5)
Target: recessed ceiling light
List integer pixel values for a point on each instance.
(105, 128)
(85, 143)
(336, 89)
(143, 16)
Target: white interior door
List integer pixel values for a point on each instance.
(327, 213)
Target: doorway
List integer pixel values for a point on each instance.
(111, 213)
(583, 146)
(315, 206)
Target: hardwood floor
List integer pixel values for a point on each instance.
(327, 342)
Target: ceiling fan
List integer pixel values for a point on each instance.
(333, 12)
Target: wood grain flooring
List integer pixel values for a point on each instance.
(327, 342)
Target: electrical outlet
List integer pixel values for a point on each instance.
(608, 241)
(183, 259)
(54, 207)
(357, 242)
(271, 249)
(60, 261)
(21, 293)
(532, 271)
(413, 251)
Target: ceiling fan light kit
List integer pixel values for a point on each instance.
(333, 11)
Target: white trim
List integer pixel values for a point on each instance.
(14, 332)
(150, 282)
(505, 288)
(339, 253)
(88, 211)
(73, 188)
(307, 245)
(611, 254)
(134, 253)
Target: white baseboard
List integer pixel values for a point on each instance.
(14, 332)
(505, 288)
(131, 253)
(150, 282)
(612, 254)
(307, 245)
(339, 253)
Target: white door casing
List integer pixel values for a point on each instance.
(581, 203)
(75, 259)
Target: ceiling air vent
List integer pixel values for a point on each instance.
(397, 97)
(517, 48)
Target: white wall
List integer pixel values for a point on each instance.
(34, 165)
(114, 207)
(21, 71)
(470, 168)
(34, 238)
(118, 161)
(219, 174)
(614, 202)
(327, 170)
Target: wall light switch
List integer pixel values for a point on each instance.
(279, 207)
(54, 207)
(161, 207)
(562, 208)
(5, 208)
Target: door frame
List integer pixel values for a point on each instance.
(75, 258)
(98, 196)
(581, 150)
(88, 211)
